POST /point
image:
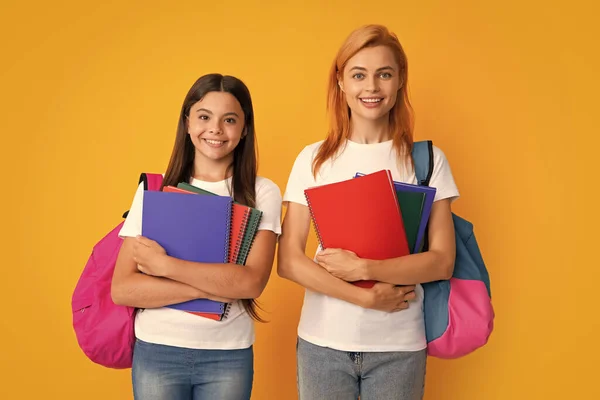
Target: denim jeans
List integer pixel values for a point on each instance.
(162, 372)
(327, 374)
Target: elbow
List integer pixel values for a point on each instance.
(447, 269)
(118, 294)
(255, 288)
(283, 267)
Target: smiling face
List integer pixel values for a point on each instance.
(370, 82)
(216, 125)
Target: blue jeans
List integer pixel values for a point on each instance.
(173, 373)
(324, 373)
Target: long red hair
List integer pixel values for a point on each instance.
(400, 116)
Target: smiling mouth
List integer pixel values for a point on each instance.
(371, 100)
(214, 142)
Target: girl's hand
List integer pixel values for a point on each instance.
(342, 264)
(151, 258)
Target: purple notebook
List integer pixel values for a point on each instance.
(427, 204)
(192, 228)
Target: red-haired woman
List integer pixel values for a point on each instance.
(355, 341)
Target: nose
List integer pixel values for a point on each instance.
(215, 129)
(372, 85)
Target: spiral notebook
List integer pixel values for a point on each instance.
(244, 243)
(415, 204)
(361, 215)
(240, 216)
(193, 228)
(245, 222)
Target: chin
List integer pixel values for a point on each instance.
(372, 117)
(216, 156)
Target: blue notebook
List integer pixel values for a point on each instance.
(426, 211)
(192, 228)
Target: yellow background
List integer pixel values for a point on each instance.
(90, 98)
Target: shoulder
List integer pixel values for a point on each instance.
(268, 200)
(309, 152)
(266, 189)
(266, 185)
(133, 223)
(442, 178)
(438, 155)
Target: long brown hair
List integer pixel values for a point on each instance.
(245, 158)
(401, 114)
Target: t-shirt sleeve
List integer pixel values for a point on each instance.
(300, 178)
(442, 178)
(268, 200)
(133, 223)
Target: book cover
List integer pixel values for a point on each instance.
(361, 215)
(193, 228)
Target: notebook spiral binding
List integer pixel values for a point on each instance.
(240, 240)
(226, 311)
(314, 221)
(228, 230)
(249, 246)
(226, 260)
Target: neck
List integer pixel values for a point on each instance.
(368, 131)
(209, 170)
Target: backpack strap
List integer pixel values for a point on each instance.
(151, 182)
(423, 157)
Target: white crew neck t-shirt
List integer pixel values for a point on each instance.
(331, 322)
(181, 329)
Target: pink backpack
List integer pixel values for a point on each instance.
(104, 330)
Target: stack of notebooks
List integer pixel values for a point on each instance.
(371, 215)
(196, 225)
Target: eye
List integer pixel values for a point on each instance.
(358, 76)
(385, 75)
(203, 117)
(230, 120)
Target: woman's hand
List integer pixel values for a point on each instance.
(342, 264)
(150, 257)
(390, 298)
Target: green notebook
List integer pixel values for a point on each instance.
(251, 228)
(411, 206)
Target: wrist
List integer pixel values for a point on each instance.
(167, 263)
(362, 297)
(366, 269)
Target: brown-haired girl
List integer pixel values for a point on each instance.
(179, 355)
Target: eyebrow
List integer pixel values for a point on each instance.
(378, 69)
(210, 112)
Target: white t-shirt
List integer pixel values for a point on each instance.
(331, 322)
(181, 329)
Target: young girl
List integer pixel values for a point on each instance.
(355, 341)
(179, 355)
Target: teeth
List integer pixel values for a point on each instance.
(371, 100)
(213, 141)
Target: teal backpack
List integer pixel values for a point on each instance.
(459, 316)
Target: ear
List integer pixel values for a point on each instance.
(187, 124)
(340, 81)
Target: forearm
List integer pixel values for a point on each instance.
(305, 272)
(227, 280)
(412, 269)
(144, 291)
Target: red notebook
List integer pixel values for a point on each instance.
(361, 215)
